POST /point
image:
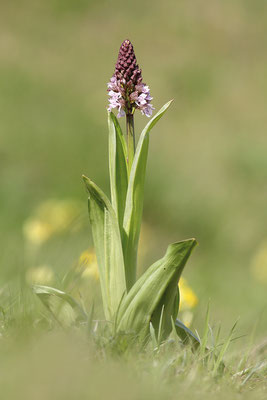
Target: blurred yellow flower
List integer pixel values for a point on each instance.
(186, 317)
(36, 231)
(88, 263)
(259, 263)
(49, 218)
(59, 214)
(188, 298)
(42, 275)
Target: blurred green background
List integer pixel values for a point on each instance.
(207, 168)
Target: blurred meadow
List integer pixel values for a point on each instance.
(207, 169)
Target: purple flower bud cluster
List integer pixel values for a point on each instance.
(126, 90)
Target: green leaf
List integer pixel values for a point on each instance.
(219, 364)
(186, 334)
(153, 337)
(134, 200)
(107, 241)
(168, 306)
(156, 288)
(63, 307)
(204, 339)
(117, 167)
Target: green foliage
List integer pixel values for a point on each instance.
(153, 301)
(135, 198)
(219, 359)
(154, 297)
(51, 115)
(63, 307)
(106, 235)
(118, 171)
(186, 334)
(204, 340)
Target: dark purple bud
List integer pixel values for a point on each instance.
(126, 90)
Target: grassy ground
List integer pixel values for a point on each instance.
(206, 178)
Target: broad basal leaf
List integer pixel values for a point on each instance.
(134, 200)
(167, 307)
(155, 289)
(117, 167)
(64, 308)
(107, 241)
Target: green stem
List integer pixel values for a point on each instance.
(130, 140)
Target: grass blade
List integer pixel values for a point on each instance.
(219, 359)
(204, 340)
(186, 334)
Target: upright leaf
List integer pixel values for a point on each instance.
(117, 167)
(107, 241)
(156, 288)
(134, 200)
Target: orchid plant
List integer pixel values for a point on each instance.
(147, 306)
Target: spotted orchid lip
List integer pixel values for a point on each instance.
(126, 89)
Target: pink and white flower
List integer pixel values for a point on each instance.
(126, 90)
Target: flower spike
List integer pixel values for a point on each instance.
(126, 89)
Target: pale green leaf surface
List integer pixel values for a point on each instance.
(117, 167)
(168, 306)
(64, 307)
(134, 199)
(107, 241)
(155, 288)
